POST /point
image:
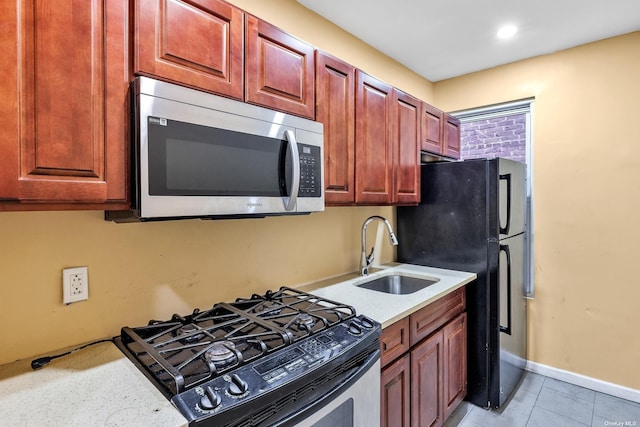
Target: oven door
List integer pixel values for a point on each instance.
(358, 405)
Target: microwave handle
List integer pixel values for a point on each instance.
(290, 202)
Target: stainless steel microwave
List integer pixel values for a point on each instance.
(198, 155)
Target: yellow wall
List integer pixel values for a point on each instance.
(142, 271)
(139, 272)
(586, 183)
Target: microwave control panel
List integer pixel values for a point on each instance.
(310, 171)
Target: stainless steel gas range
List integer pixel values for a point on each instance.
(285, 358)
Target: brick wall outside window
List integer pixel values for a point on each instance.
(497, 137)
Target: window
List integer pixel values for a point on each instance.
(503, 130)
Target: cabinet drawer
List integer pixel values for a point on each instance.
(394, 341)
(430, 318)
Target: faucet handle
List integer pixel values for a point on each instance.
(370, 257)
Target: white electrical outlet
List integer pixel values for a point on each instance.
(75, 284)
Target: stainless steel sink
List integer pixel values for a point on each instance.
(397, 284)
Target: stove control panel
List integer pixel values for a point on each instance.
(274, 371)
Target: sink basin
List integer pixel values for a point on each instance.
(397, 284)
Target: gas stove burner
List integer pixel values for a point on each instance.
(221, 353)
(271, 308)
(305, 320)
(189, 333)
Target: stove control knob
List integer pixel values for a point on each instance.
(366, 322)
(210, 400)
(238, 386)
(355, 329)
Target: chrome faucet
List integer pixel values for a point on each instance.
(367, 260)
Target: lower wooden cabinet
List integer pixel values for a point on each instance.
(424, 385)
(427, 382)
(395, 394)
(454, 342)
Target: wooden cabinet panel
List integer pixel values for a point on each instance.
(427, 383)
(196, 43)
(455, 363)
(374, 155)
(438, 362)
(9, 101)
(395, 394)
(451, 137)
(406, 148)
(432, 317)
(65, 104)
(279, 69)
(394, 341)
(432, 123)
(335, 108)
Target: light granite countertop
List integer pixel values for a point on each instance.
(387, 308)
(99, 386)
(95, 386)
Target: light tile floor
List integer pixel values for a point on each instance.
(540, 401)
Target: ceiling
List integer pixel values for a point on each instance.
(444, 39)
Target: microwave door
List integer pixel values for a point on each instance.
(292, 147)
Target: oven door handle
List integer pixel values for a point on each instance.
(348, 378)
(290, 202)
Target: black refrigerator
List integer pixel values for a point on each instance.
(472, 218)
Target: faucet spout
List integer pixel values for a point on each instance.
(367, 260)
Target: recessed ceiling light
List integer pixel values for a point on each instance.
(507, 31)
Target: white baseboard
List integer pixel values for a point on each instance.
(584, 381)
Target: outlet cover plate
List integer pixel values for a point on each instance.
(75, 284)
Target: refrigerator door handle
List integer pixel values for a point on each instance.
(507, 178)
(507, 329)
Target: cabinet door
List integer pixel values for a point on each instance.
(374, 154)
(395, 394)
(455, 363)
(64, 137)
(406, 148)
(196, 43)
(279, 69)
(427, 382)
(432, 130)
(451, 137)
(335, 108)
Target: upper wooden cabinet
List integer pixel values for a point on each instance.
(440, 132)
(451, 136)
(374, 150)
(279, 70)
(64, 104)
(384, 167)
(196, 43)
(432, 125)
(335, 108)
(406, 113)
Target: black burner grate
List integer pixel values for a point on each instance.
(186, 351)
